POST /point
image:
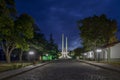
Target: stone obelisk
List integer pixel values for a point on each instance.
(64, 50)
(62, 42)
(66, 45)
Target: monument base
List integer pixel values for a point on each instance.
(64, 55)
(64, 50)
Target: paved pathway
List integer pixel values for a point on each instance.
(103, 65)
(68, 70)
(10, 73)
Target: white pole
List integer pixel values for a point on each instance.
(66, 45)
(62, 42)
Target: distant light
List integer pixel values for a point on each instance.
(46, 54)
(90, 54)
(31, 52)
(99, 50)
(85, 54)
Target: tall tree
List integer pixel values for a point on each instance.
(97, 31)
(39, 43)
(22, 46)
(52, 48)
(6, 26)
(24, 31)
(13, 31)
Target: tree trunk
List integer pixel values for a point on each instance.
(20, 56)
(103, 55)
(7, 49)
(8, 55)
(8, 59)
(95, 56)
(108, 54)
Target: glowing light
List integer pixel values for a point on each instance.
(31, 52)
(46, 54)
(98, 50)
(85, 54)
(90, 54)
(47, 57)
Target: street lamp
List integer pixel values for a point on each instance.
(31, 55)
(99, 50)
(98, 53)
(47, 55)
(85, 54)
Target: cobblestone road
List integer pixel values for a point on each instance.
(68, 70)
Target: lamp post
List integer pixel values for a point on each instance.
(98, 53)
(85, 54)
(31, 53)
(47, 55)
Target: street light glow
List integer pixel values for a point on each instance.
(46, 54)
(85, 54)
(99, 50)
(90, 54)
(31, 52)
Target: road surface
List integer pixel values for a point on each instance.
(68, 70)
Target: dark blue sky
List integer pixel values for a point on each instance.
(60, 16)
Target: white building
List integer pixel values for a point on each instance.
(109, 52)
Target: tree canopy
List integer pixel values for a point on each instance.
(14, 31)
(20, 31)
(97, 31)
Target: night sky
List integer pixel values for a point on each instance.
(61, 16)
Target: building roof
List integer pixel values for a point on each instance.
(111, 44)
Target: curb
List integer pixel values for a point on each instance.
(104, 67)
(18, 73)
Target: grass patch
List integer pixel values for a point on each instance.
(11, 66)
(114, 63)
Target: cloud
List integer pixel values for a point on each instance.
(60, 16)
(75, 44)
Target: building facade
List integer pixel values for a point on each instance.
(110, 52)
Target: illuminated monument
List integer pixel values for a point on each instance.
(64, 50)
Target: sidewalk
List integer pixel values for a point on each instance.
(11, 73)
(102, 65)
